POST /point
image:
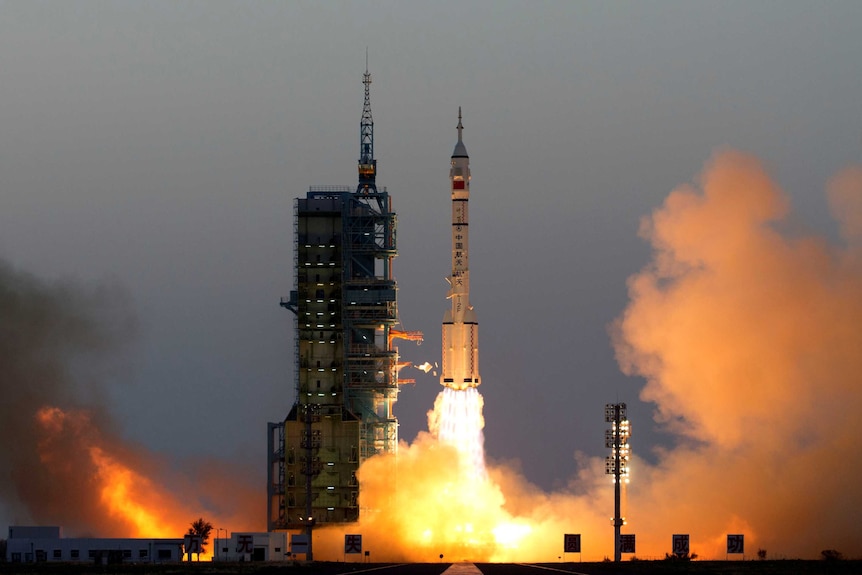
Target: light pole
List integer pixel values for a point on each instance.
(217, 542)
(616, 464)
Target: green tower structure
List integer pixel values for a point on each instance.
(346, 368)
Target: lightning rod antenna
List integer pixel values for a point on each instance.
(367, 163)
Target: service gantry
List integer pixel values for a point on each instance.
(346, 376)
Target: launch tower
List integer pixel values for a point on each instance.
(346, 368)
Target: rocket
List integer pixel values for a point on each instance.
(460, 328)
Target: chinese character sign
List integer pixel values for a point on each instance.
(680, 545)
(627, 543)
(572, 543)
(245, 544)
(735, 544)
(353, 543)
(192, 543)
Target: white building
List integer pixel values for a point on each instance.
(27, 544)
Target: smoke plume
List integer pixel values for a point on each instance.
(749, 340)
(51, 336)
(63, 460)
(747, 336)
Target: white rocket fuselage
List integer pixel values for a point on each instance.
(460, 328)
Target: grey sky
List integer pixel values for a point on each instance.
(160, 145)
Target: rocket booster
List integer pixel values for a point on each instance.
(460, 327)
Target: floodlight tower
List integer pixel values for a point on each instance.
(616, 464)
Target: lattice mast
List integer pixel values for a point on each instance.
(367, 163)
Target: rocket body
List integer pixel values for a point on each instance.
(460, 327)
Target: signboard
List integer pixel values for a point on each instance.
(192, 544)
(353, 543)
(245, 543)
(680, 545)
(572, 543)
(735, 544)
(627, 543)
(299, 543)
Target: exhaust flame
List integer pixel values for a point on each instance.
(748, 339)
(62, 460)
(749, 342)
(129, 498)
(118, 483)
(135, 498)
(457, 420)
(132, 504)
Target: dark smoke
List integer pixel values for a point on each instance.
(59, 345)
(63, 459)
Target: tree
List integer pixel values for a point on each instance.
(202, 529)
(832, 555)
(675, 557)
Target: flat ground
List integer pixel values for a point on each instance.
(784, 567)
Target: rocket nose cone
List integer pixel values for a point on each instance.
(460, 150)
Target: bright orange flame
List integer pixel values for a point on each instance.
(133, 502)
(122, 490)
(429, 500)
(749, 342)
(750, 345)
